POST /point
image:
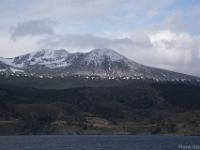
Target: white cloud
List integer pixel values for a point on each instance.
(172, 47)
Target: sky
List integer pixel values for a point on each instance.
(158, 33)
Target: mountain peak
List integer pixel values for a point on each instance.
(53, 50)
(105, 52)
(49, 53)
(46, 57)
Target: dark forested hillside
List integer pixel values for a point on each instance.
(80, 106)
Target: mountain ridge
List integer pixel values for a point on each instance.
(100, 62)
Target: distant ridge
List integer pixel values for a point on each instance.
(100, 62)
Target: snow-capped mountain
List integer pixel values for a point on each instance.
(100, 62)
(48, 58)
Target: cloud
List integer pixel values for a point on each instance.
(82, 10)
(77, 10)
(172, 47)
(180, 20)
(164, 48)
(82, 42)
(32, 28)
(10, 48)
(155, 32)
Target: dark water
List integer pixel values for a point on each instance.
(91, 142)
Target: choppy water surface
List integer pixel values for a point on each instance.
(95, 142)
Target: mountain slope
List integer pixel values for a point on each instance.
(100, 62)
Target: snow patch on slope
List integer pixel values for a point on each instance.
(46, 57)
(97, 56)
(3, 70)
(61, 58)
(14, 70)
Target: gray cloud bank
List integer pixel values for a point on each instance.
(32, 28)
